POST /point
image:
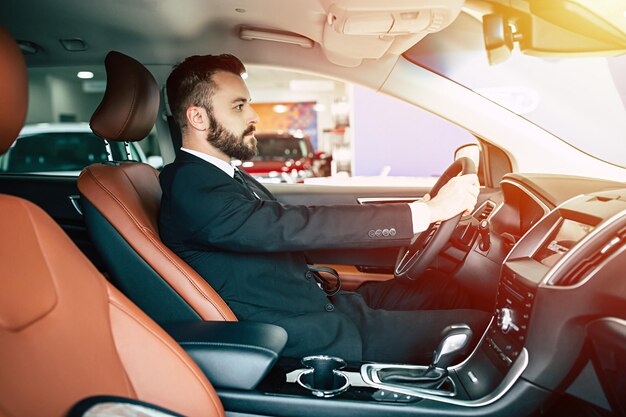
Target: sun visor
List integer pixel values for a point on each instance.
(364, 29)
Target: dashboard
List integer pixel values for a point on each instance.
(560, 244)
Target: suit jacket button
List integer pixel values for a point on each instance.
(329, 307)
(308, 275)
(379, 233)
(371, 233)
(385, 232)
(392, 232)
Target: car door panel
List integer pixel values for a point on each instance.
(355, 266)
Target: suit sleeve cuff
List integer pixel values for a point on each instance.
(420, 216)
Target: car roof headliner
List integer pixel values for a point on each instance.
(164, 32)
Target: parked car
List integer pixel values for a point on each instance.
(544, 251)
(286, 158)
(63, 149)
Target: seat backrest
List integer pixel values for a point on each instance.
(65, 332)
(121, 204)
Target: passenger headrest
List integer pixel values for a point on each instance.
(131, 101)
(13, 90)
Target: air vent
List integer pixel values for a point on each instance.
(485, 210)
(578, 273)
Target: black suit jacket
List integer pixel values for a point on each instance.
(250, 250)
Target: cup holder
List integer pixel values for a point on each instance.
(323, 378)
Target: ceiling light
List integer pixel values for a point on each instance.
(85, 75)
(249, 34)
(73, 44)
(280, 108)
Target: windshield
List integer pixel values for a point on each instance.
(579, 100)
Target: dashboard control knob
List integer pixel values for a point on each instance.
(505, 320)
(483, 231)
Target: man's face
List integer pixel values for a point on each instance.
(232, 118)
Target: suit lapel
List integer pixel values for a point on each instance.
(264, 193)
(258, 187)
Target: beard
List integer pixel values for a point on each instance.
(232, 145)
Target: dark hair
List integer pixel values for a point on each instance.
(191, 82)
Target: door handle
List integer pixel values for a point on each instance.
(75, 200)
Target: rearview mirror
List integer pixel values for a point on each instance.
(556, 28)
(498, 38)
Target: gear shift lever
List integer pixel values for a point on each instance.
(455, 340)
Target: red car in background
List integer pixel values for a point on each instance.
(286, 158)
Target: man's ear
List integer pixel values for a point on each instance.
(197, 118)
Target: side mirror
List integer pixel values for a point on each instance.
(469, 150)
(472, 151)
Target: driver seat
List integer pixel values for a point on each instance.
(65, 332)
(120, 203)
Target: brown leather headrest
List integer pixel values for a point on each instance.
(13, 91)
(131, 101)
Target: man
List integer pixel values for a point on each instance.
(248, 246)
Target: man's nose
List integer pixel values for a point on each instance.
(254, 116)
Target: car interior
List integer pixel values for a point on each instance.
(97, 313)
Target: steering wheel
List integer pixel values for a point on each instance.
(424, 247)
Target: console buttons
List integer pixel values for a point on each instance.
(506, 359)
(493, 345)
(387, 396)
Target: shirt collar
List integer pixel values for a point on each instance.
(223, 165)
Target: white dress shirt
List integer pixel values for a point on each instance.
(420, 214)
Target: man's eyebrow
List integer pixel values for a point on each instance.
(244, 99)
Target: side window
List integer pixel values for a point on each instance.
(323, 131)
(57, 139)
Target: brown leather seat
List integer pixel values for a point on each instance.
(121, 203)
(65, 333)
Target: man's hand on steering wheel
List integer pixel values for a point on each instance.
(458, 195)
(452, 196)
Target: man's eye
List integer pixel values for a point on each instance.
(239, 107)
